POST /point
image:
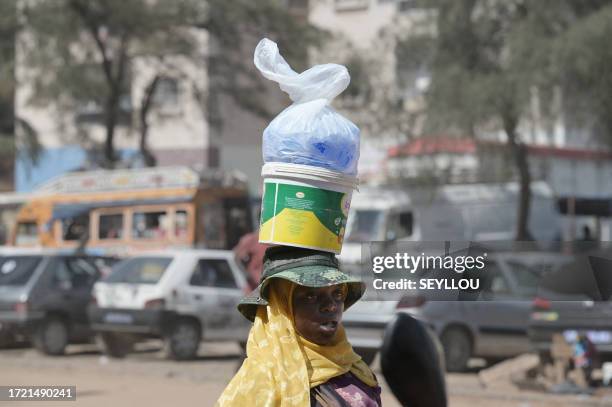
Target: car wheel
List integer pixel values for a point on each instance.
(183, 340)
(367, 355)
(115, 345)
(6, 340)
(457, 347)
(51, 336)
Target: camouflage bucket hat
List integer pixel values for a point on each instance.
(310, 268)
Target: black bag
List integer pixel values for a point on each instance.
(411, 362)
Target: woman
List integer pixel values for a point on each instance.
(297, 351)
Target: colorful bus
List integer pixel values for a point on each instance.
(136, 209)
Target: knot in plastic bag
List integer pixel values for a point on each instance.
(319, 82)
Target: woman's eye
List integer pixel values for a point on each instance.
(311, 297)
(339, 294)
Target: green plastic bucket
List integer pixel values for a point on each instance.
(305, 206)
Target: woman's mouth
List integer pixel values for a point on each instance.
(329, 326)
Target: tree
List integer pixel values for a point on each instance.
(583, 57)
(28, 147)
(486, 59)
(7, 90)
(82, 51)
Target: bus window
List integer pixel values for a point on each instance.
(75, 228)
(181, 224)
(150, 225)
(110, 226)
(27, 233)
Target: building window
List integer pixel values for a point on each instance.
(406, 6)
(297, 4)
(110, 227)
(348, 5)
(167, 94)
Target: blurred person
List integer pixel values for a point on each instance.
(584, 356)
(297, 350)
(251, 253)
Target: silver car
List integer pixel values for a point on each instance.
(493, 327)
(182, 297)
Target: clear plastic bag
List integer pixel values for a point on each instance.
(308, 132)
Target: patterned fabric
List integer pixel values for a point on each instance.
(345, 391)
(281, 367)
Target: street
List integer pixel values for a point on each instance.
(145, 377)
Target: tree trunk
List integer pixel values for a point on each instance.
(145, 107)
(519, 154)
(110, 121)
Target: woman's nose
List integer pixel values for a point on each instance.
(329, 305)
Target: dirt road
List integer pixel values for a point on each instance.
(146, 378)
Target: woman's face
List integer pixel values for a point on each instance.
(318, 312)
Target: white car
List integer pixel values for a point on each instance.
(181, 296)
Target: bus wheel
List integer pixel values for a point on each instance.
(115, 345)
(183, 340)
(51, 336)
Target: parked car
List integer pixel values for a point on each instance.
(182, 297)
(44, 295)
(578, 302)
(493, 326)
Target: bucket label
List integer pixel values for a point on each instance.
(303, 216)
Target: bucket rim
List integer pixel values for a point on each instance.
(299, 170)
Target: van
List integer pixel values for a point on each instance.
(468, 212)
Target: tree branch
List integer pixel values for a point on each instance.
(94, 29)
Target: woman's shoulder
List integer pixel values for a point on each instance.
(345, 390)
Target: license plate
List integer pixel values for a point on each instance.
(597, 337)
(118, 318)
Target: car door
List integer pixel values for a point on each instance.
(496, 316)
(213, 295)
(72, 280)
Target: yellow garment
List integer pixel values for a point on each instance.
(281, 367)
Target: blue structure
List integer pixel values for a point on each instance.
(51, 163)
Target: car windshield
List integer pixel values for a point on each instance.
(17, 270)
(364, 226)
(141, 270)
